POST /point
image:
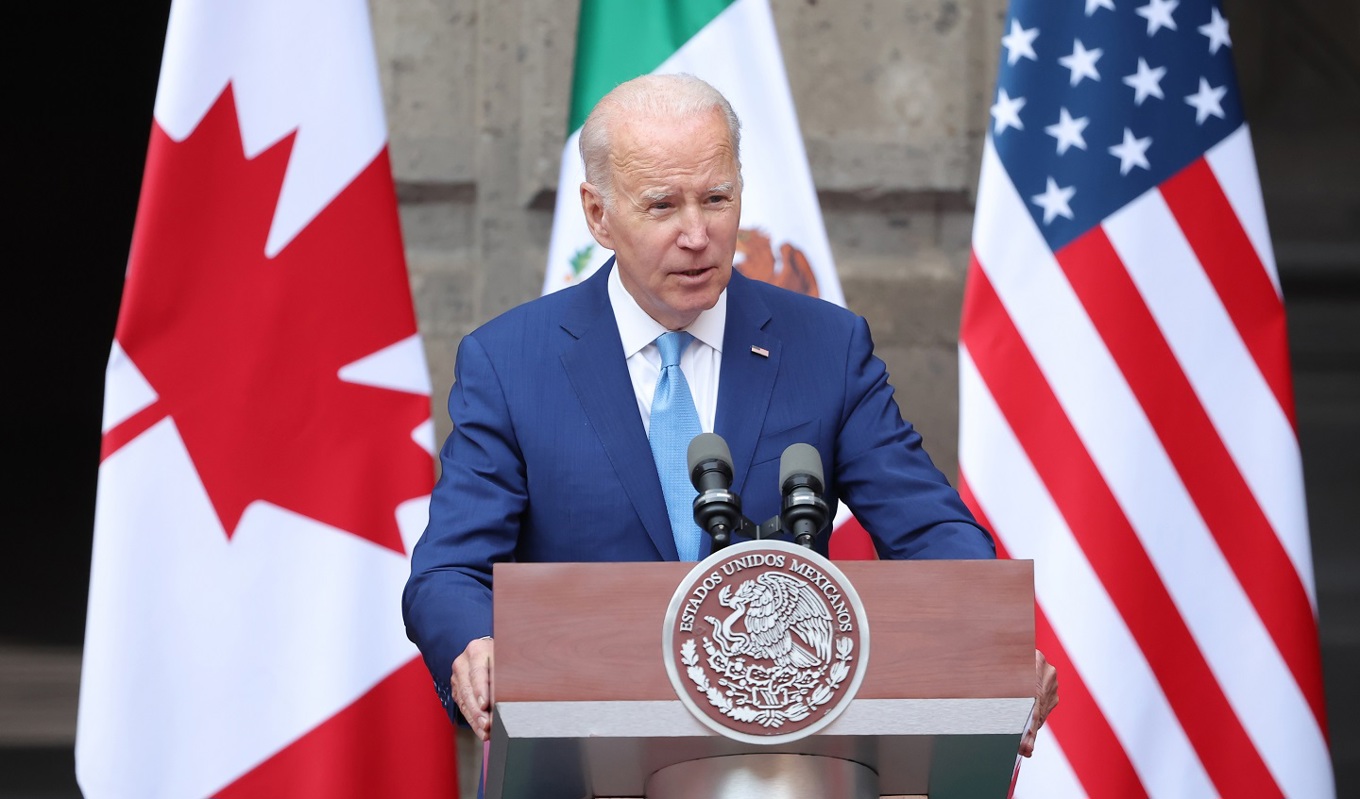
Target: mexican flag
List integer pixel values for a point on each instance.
(732, 44)
(267, 450)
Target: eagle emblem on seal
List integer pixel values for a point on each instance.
(783, 620)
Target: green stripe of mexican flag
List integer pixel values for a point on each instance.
(617, 40)
(731, 44)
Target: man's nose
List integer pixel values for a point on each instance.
(693, 230)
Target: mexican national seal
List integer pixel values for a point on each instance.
(765, 641)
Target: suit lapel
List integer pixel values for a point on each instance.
(747, 380)
(596, 369)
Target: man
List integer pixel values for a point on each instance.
(549, 459)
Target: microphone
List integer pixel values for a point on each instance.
(717, 510)
(800, 480)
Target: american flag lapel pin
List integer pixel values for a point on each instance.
(761, 351)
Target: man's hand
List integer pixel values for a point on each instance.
(472, 685)
(1045, 699)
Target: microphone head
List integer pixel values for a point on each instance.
(704, 448)
(800, 460)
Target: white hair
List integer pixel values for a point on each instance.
(672, 96)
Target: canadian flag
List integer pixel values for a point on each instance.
(267, 445)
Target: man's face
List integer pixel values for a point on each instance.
(677, 205)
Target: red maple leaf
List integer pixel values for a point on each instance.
(244, 351)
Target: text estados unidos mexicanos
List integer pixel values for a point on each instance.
(844, 618)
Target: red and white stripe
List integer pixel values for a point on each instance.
(1127, 423)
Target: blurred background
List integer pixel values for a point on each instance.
(892, 98)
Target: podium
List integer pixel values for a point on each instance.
(584, 706)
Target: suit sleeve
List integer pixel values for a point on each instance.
(886, 477)
(475, 515)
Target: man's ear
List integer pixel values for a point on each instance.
(592, 203)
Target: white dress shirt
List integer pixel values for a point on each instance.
(701, 361)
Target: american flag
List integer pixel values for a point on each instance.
(1127, 417)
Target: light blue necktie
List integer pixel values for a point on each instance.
(675, 423)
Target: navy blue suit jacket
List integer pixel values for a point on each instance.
(548, 459)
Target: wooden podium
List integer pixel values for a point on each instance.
(584, 707)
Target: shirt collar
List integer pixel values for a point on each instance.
(637, 329)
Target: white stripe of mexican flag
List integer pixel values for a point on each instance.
(732, 44)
